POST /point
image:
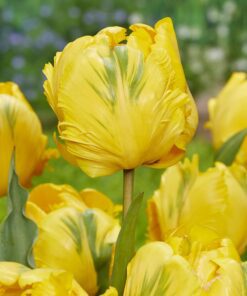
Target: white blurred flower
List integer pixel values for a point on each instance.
(213, 14)
(214, 54)
(244, 48)
(194, 50)
(135, 17)
(222, 31)
(196, 67)
(195, 32)
(240, 65)
(229, 7)
(184, 32)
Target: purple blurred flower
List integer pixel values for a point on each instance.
(18, 62)
(120, 16)
(74, 12)
(16, 38)
(46, 10)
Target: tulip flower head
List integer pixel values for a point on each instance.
(122, 101)
(201, 205)
(227, 113)
(90, 233)
(20, 128)
(159, 268)
(48, 197)
(16, 279)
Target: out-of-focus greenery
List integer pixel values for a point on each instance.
(147, 180)
(31, 32)
(212, 36)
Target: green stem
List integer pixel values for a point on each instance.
(128, 186)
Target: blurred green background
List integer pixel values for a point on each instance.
(212, 37)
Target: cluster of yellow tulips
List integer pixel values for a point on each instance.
(122, 101)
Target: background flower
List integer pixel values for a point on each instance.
(16, 279)
(201, 205)
(158, 269)
(20, 129)
(90, 233)
(227, 113)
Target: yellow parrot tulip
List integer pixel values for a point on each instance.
(80, 242)
(20, 128)
(203, 205)
(16, 279)
(158, 269)
(227, 113)
(48, 197)
(122, 101)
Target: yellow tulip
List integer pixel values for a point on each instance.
(48, 197)
(76, 241)
(16, 279)
(20, 128)
(227, 113)
(203, 205)
(157, 269)
(122, 101)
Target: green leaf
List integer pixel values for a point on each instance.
(230, 148)
(244, 268)
(125, 246)
(101, 256)
(17, 232)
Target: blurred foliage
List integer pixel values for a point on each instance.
(212, 36)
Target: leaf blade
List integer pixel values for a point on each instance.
(125, 246)
(230, 148)
(17, 232)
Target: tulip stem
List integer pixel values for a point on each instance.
(128, 186)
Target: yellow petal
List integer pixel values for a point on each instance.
(105, 229)
(229, 280)
(110, 292)
(50, 249)
(141, 38)
(16, 279)
(49, 197)
(155, 270)
(165, 208)
(116, 34)
(95, 199)
(222, 201)
(20, 128)
(180, 206)
(35, 213)
(64, 153)
(10, 272)
(227, 112)
(12, 89)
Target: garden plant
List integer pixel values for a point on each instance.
(122, 101)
